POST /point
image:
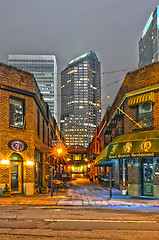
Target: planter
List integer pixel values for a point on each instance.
(124, 192)
(44, 190)
(6, 193)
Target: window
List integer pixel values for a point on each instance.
(38, 168)
(43, 131)
(145, 114)
(38, 123)
(16, 112)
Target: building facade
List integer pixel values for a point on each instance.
(44, 68)
(127, 139)
(77, 160)
(27, 132)
(81, 99)
(148, 44)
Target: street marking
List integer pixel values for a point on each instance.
(99, 220)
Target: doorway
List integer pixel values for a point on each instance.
(147, 179)
(16, 173)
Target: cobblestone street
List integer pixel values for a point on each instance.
(81, 192)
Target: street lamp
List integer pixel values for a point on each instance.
(59, 151)
(55, 152)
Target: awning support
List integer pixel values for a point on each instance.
(129, 117)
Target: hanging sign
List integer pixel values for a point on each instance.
(17, 145)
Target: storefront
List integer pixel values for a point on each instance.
(135, 162)
(27, 132)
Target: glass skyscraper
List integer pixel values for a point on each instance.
(149, 42)
(81, 99)
(44, 68)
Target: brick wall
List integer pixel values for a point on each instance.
(20, 84)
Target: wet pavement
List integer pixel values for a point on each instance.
(82, 192)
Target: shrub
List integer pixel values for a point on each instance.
(44, 185)
(6, 188)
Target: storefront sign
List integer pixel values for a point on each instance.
(17, 145)
(131, 155)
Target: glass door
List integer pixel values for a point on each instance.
(148, 185)
(16, 179)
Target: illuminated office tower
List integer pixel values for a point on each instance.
(149, 42)
(44, 68)
(81, 99)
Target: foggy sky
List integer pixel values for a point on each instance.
(69, 28)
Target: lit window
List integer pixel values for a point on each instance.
(145, 114)
(16, 112)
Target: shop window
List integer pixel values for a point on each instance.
(16, 112)
(76, 157)
(145, 114)
(120, 171)
(123, 172)
(38, 168)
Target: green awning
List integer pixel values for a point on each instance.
(139, 144)
(102, 158)
(135, 145)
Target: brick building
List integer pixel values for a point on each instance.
(127, 139)
(26, 132)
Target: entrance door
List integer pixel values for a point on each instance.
(148, 186)
(16, 177)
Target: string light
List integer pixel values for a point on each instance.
(113, 71)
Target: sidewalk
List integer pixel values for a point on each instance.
(81, 193)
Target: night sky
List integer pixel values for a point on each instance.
(69, 28)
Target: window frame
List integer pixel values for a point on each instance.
(24, 112)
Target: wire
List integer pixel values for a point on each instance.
(120, 70)
(112, 71)
(107, 85)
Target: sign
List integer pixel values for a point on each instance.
(17, 145)
(131, 155)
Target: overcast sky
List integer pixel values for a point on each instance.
(69, 28)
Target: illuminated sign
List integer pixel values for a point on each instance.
(17, 145)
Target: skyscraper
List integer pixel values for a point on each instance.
(148, 44)
(44, 68)
(81, 99)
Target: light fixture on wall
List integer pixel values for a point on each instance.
(29, 163)
(6, 162)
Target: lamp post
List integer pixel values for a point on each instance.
(56, 151)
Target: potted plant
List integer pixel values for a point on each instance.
(44, 188)
(6, 192)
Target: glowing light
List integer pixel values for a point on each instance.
(73, 168)
(59, 150)
(30, 163)
(5, 162)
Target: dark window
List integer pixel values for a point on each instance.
(38, 122)
(38, 168)
(145, 114)
(51, 134)
(48, 132)
(17, 115)
(43, 131)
